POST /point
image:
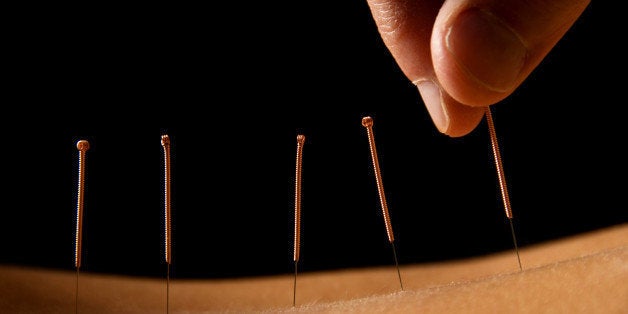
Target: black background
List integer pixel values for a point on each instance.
(233, 85)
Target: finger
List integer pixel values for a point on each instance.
(406, 28)
(482, 50)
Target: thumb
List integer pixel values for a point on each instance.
(482, 50)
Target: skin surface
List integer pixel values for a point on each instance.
(467, 54)
(586, 273)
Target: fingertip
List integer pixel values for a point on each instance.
(464, 119)
(450, 117)
(433, 100)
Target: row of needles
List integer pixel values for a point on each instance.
(83, 146)
(367, 122)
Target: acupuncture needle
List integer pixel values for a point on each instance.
(367, 122)
(82, 146)
(297, 212)
(502, 179)
(165, 143)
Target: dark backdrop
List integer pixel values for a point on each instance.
(233, 85)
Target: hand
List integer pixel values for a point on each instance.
(464, 55)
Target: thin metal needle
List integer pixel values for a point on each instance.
(367, 122)
(297, 212)
(514, 241)
(165, 143)
(502, 179)
(294, 289)
(82, 146)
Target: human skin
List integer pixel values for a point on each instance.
(467, 54)
(585, 273)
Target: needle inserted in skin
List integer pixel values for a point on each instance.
(82, 147)
(502, 179)
(297, 212)
(165, 143)
(367, 122)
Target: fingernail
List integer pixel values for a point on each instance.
(488, 49)
(432, 97)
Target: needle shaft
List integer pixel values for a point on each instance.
(367, 122)
(514, 241)
(165, 143)
(297, 212)
(502, 178)
(82, 146)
